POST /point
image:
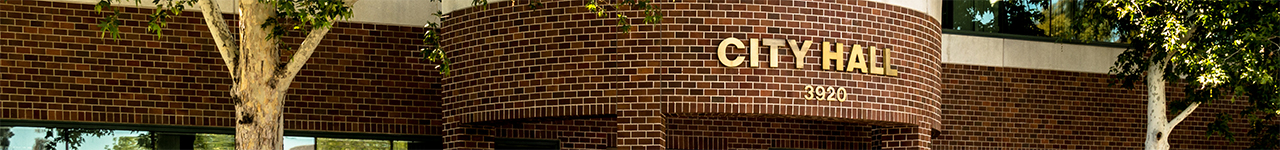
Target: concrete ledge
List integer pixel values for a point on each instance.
(999, 52)
(931, 7)
(447, 6)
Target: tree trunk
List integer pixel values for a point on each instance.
(259, 80)
(259, 106)
(1158, 124)
(1156, 119)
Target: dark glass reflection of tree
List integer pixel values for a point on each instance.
(1020, 17)
(5, 134)
(71, 138)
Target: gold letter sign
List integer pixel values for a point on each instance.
(855, 62)
(725, 59)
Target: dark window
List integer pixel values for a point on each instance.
(1019, 17)
(1060, 19)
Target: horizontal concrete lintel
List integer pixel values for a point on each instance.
(1001, 52)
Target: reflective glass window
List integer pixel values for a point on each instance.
(299, 143)
(46, 138)
(344, 144)
(39, 138)
(205, 141)
(1061, 19)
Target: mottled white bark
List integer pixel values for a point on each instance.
(1156, 108)
(1181, 116)
(226, 43)
(260, 107)
(1158, 124)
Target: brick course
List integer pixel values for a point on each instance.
(363, 78)
(514, 66)
(733, 132)
(594, 133)
(705, 131)
(987, 107)
(517, 63)
(560, 73)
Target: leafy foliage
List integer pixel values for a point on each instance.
(110, 24)
(156, 22)
(291, 15)
(301, 15)
(435, 53)
(310, 13)
(650, 12)
(1221, 49)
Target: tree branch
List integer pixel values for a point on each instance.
(285, 77)
(227, 44)
(1192, 108)
(1181, 116)
(300, 58)
(1273, 42)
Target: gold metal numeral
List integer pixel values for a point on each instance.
(808, 89)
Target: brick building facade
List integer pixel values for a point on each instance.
(558, 74)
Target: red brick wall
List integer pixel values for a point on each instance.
(54, 66)
(366, 78)
(595, 133)
(995, 107)
(515, 62)
(730, 132)
(559, 60)
(703, 132)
